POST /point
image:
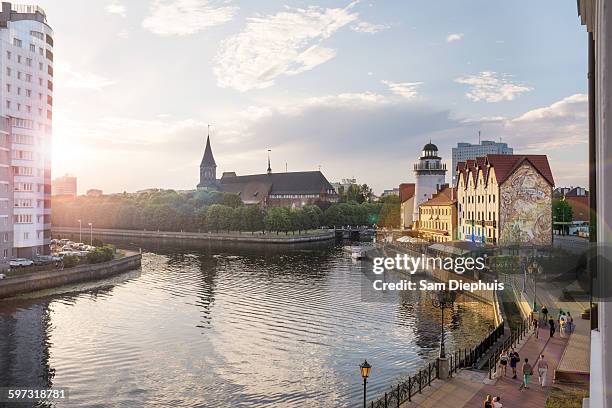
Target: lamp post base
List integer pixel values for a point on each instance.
(443, 368)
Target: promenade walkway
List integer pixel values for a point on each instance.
(469, 388)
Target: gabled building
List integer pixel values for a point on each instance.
(438, 217)
(294, 189)
(505, 200)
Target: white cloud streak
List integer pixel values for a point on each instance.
(490, 86)
(406, 90)
(454, 37)
(369, 28)
(185, 17)
(116, 7)
(283, 44)
(69, 78)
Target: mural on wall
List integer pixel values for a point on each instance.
(525, 212)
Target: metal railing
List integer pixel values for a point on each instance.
(414, 384)
(515, 336)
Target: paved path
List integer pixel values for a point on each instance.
(469, 389)
(509, 389)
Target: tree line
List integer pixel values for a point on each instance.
(202, 211)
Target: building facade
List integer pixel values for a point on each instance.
(294, 189)
(505, 200)
(430, 175)
(406, 194)
(64, 186)
(596, 15)
(26, 93)
(468, 151)
(438, 217)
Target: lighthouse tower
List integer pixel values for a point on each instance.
(430, 175)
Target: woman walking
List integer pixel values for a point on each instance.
(527, 373)
(551, 325)
(488, 402)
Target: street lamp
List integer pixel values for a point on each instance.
(534, 270)
(90, 233)
(80, 228)
(365, 373)
(443, 299)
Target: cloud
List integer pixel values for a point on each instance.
(69, 78)
(184, 17)
(369, 28)
(454, 37)
(406, 90)
(563, 123)
(492, 87)
(116, 7)
(283, 44)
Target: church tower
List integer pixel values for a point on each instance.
(430, 175)
(208, 169)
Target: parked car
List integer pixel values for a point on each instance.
(2, 276)
(20, 262)
(67, 248)
(45, 259)
(63, 241)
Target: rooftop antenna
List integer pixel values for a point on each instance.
(479, 137)
(269, 171)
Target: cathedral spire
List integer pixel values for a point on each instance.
(269, 171)
(208, 167)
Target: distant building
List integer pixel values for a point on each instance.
(344, 184)
(406, 194)
(578, 199)
(390, 192)
(64, 186)
(467, 151)
(505, 199)
(294, 189)
(94, 192)
(430, 175)
(438, 217)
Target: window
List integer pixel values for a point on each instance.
(19, 59)
(32, 48)
(40, 82)
(40, 111)
(37, 34)
(26, 235)
(8, 71)
(40, 66)
(16, 42)
(23, 218)
(8, 55)
(8, 104)
(18, 75)
(18, 91)
(28, 93)
(8, 88)
(18, 106)
(41, 51)
(28, 78)
(29, 62)
(28, 108)
(23, 139)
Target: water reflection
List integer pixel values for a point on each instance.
(221, 326)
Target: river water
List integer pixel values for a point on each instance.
(227, 326)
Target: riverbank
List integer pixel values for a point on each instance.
(36, 281)
(258, 237)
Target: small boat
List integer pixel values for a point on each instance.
(357, 252)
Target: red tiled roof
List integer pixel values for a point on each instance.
(406, 191)
(446, 196)
(504, 165)
(580, 207)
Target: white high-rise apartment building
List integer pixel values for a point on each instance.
(467, 151)
(26, 99)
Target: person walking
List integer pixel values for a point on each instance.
(551, 326)
(542, 367)
(527, 373)
(497, 402)
(503, 361)
(545, 314)
(570, 323)
(562, 325)
(535, 327)
(488, 402)
(514, 359)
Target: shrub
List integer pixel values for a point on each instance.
(101, 254)
(70, 261)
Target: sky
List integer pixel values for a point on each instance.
(355, 88)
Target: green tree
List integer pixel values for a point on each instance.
(562, 213)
